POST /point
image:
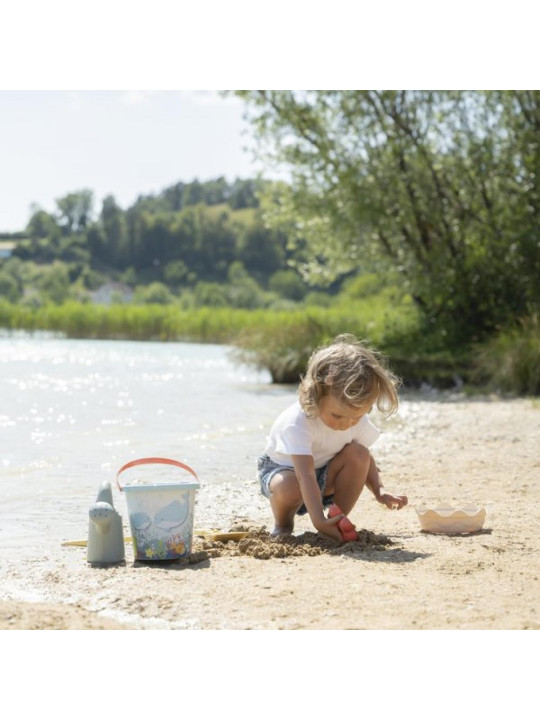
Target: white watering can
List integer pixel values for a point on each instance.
(105, 534)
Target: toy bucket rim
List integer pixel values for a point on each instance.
(152, 461)
(188, 485)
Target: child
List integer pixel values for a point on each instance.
(317, 451)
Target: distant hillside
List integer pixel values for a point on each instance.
(185, 240)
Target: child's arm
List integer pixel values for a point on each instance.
(374, 483)
(311, 495)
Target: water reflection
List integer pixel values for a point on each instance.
(73, 411)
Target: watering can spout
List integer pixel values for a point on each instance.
(105, 534)
(105, 493)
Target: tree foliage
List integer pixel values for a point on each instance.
(202, 226)
(442, 186)
(187, 241)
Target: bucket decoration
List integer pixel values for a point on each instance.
(160, 514)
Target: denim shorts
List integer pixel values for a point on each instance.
(267, 468)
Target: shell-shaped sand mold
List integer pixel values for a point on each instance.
(451, 519)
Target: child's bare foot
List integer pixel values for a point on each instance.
(281, 530)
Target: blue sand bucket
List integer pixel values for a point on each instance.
(160, 514)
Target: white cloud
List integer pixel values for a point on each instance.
(209, 97)
(134, 97)
(194, 97)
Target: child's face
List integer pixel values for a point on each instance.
(338, 416)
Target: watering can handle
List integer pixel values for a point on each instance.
(151, 461)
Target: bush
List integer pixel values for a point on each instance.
(318, 298)
(243, 291)
(281, 344)
(362, 286)
(9, 287)
(210, 294)
(282, 341)
(287, 284)
(54, 282)
(154, 294)
(511, 360)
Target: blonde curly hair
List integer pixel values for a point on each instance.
(352, 373)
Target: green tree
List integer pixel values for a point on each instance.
(210, 294)
(54, 282)
(215, 246)
(42, 224)
(261, 249)
(215, 191)
(176, 273)
(75, 211)
(113, 223)
(9, 287)
(194, 193)
(288, 284)
(155, 293)
(442, 186)
(242, 290)
(244, 193)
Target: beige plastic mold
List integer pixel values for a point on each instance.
(451, 519)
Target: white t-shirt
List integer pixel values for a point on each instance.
(295, 434)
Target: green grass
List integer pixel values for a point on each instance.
(375, 321)
(132, 322)
(510, 361)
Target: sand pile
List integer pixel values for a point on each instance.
(258, 543)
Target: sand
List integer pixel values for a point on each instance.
(483, 450)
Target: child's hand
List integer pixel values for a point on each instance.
(328, 527)
(345, 526)
(393, 501)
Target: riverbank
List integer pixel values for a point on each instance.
(483, 450)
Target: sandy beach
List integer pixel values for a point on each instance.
(483, 450)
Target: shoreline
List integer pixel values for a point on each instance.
(456, 449)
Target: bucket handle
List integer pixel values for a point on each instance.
(151, 461)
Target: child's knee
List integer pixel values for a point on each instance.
(285, 487)
(356, 454)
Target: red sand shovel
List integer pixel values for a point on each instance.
(345, 526)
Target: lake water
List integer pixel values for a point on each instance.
(72, 412)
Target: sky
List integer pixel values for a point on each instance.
(123, 143)
(54, 141)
